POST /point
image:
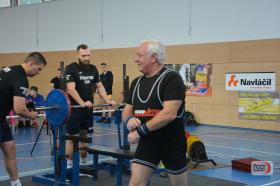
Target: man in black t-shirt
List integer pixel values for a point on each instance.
(106, 78)
(13, 87)
(56, 80)
(82, 79)
(153, 116)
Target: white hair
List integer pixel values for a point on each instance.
(155, 47)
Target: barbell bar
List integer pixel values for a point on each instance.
(58, 108)
(42, 108)
(17, 116)
(44, 115)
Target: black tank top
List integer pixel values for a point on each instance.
(147, 101)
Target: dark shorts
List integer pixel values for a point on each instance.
(80, 119)
(5, 132)
(160, 147)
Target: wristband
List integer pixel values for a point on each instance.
(143, 130)
(127, 119)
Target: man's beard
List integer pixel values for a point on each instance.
(84, 63)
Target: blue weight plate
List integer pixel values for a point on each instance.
(58, 116)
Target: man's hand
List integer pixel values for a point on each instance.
(133, 123)
(88, 104)
(133, 137)
(34, 115)
(111, 102)
(28, 101)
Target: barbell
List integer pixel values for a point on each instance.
(58, 108)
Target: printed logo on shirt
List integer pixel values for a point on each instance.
(147, 112)
(67, 77)
(6, 69)
(24, 90)
(86, 79)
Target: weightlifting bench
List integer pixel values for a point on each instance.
(119, 154)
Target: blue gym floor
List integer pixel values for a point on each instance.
(223, 144)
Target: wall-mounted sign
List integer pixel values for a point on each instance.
(262, 81)
(197, 78)
(259, 106)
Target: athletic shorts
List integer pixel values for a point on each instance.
(154, 148)
(5, 132)
(80, 119)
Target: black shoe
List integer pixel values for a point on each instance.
(90, 130)
(107, 121)
(20, 124)
(27, 123)
(101, 120)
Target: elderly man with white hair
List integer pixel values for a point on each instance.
(153, 116)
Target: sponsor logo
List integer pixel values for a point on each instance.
(85, 78)
(255, 82)
(6, 69)
(148, 112)
(261, 168)
(24, 90)
(232, 81)
(251, 81)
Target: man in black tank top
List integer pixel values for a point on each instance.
(13, 87)
(153, 116)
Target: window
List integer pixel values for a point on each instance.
(28, 2)
(5, 3)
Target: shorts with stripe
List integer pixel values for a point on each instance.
(154, 148)
(5, 132)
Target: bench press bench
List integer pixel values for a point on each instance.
(119, 154)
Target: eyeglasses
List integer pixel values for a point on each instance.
(86, 55)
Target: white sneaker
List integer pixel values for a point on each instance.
(69, 166)
(82, 163)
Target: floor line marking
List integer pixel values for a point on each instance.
(271, 183)
(29, 173)
(244, 139)
(234, 148)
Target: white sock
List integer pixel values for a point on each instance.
(83, 160)
(16, 183)
(69, 163)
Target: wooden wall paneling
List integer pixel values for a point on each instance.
(99, 56)
(220, 109)
(219, 73)
(198, 53)
(211, 114)
(12, 59)
(255, 51)
(123, 55)
(265, 66)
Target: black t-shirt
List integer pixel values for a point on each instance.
(107, 81)
(56, 82)
(13, 82)
(85, 78)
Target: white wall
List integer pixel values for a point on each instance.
(127, 22)
(62, 25)
(17, 29)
